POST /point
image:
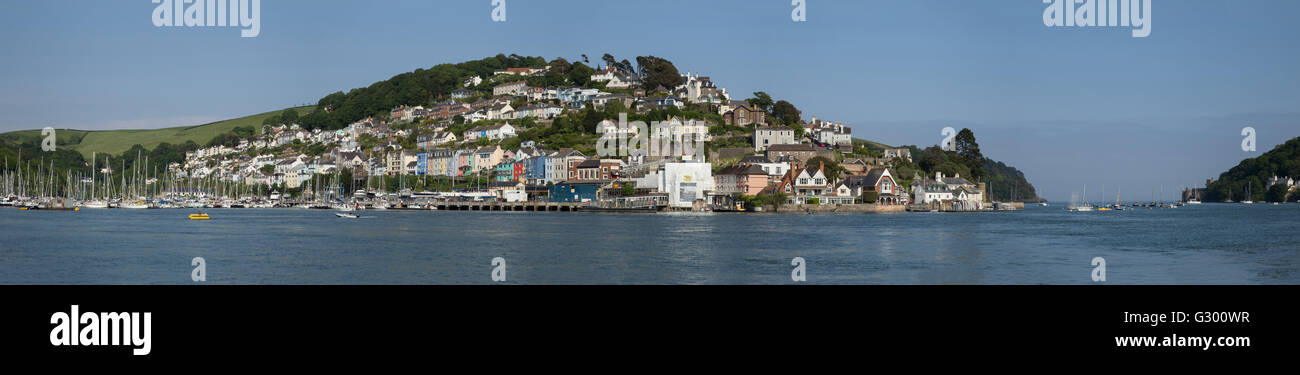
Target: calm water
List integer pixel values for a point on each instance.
(1208, 244)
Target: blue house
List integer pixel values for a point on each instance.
(535, 170)
(422, 164)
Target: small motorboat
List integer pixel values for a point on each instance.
(346, 215)
(200, 216)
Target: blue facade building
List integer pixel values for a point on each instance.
(574, 192)
(422, 164)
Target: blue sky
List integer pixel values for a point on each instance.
(1069, 106)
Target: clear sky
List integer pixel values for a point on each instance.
(1068, 106)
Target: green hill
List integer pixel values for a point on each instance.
(116, 141)
(1253, 174)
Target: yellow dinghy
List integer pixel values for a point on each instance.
(199, 217)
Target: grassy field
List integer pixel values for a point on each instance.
(117, 141)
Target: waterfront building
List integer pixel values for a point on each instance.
(948, 192)
(745, 179)
(879, 180)
(686, 183)
(574, 192)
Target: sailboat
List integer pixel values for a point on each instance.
(1247, 200)
(94, 201)
(1075, 206)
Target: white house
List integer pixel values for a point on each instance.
(516, 88)
(765, 136)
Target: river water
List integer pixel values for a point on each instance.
(1205, 244)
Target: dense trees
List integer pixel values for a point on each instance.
(580, 74)
(232, 138)
(1005, 183)
(1254, 173)
(289, 116)
(420, 87)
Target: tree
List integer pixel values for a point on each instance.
(828, 167)
(560, 66)
(580, 74)
(786, 113)
(657, 72)
(969, 152)
(267, 169)
(779, 198)
(1276, 193)
(289, 116)
(609, 60)
(870, 196)
(761, 101)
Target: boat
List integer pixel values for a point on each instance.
(199, 216)
(346, 215)
(49, 208)
(1193, 201)
(137, 205)
(1247, 200)
(96, 204)
(1076, 206)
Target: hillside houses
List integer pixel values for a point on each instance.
(517, 88)
(490, 132)
(615, 79)
(742, 114)
(463, 138)
(830, 134)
